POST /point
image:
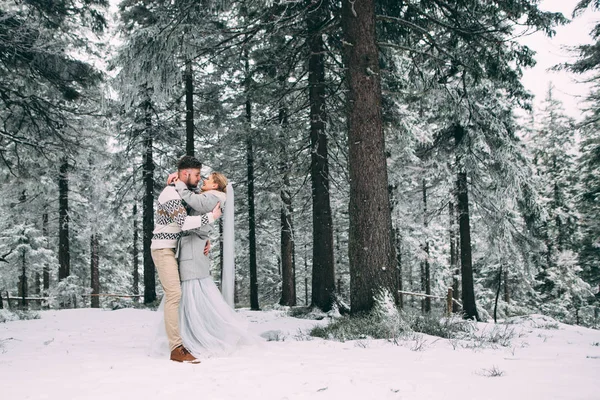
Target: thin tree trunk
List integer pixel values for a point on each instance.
(95, 270)
(252, 224)
(558, 203)
(23, 280)
(46, 269)
(427, 277)
(305, 275)
(468, 290)
(497, 295)
(38, 283)
(1, 302)
(136, 252)
(422, 281)
(288, 287)
(371, 249)
(294, 266)
(37, 279)
(221, 264)
(148, 210)
(411, 283)
(236, 294)
(458, 257)
(189, 109)
(64, 255)
(338, 263)
(506, 291)
(400, 283)
(454, 257)
(397, 237)
(549, 248)
(251, 211)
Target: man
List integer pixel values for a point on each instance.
(171, 219)
(193, 261)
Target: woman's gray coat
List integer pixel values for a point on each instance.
(193, 264)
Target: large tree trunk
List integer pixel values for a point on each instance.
(64, 255)
(136, 252)
(371, 249)
(95, 270)
(323, 274)
(426, 270)
(189, 109)
(288, 281)
(251, 211)
(468, 290)
(148, 210)
(46, 268)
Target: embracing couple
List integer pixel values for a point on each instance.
(198, 321)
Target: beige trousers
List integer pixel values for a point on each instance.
(168, 273)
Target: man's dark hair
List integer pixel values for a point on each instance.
(188, 162)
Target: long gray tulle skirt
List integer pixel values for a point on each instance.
(208, 325)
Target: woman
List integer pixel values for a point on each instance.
(207, 323)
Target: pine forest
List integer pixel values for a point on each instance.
(377, 148)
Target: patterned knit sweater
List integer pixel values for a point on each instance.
(171, 218)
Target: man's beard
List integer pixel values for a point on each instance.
(187, 182)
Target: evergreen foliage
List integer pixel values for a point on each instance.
(107, 96)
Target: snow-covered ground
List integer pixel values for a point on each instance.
(101, 354)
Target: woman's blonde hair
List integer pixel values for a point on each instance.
(220, 180)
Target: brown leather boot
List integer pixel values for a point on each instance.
(181, 354)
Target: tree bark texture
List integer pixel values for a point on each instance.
(148, 210)
(400, 283)
(46, 269)
(427, 271)
(23, 280)
(371, 248)
(189, 109)
(64, 255)
(323, 269)
(468, 290)
(251, 209)
(288, 281)
(497, 295)
(37, 284)
(305, 275)
(506, 290)
(252, 226)
(454, 257)
(95, 270)
(135, 251)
